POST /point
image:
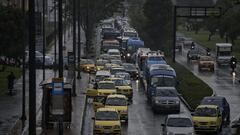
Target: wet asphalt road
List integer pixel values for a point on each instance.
(142, 120)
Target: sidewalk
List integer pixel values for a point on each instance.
(11, 106)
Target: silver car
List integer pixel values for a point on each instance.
(178, 124)
(165, 99)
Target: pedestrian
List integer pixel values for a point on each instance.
(11, 77)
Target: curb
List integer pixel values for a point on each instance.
(83, 115)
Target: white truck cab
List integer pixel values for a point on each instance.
(223, 53)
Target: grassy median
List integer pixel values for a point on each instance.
(202, 39)
(3, 77)
(192, 88)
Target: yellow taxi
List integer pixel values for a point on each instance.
(207, 118)
(102, 88)
(87, 65)
(206, 62)
(107, 121)
(120, 103)
(98, 102)
(122, 86)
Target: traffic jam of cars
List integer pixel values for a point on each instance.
(124, 58)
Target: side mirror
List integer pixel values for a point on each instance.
(163, 125)
(93, 118)
(178, 83)
(192, 113)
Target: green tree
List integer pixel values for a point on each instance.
(92, 12)
(11, 35)
(159, 24)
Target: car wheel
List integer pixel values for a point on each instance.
(199, 69)
(212, 69)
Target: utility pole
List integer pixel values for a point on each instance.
(32, 69)
(60, 39)
(44, 37)
(74, 47)
(174, 33)
(79, 38)
(23, 117)
(55, 37)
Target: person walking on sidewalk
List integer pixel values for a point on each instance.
(11, 77)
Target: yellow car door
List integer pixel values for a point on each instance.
(98, 102)
(91, 92)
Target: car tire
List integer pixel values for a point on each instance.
(212, 69)
(199, 69)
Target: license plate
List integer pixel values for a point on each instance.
(107, 131)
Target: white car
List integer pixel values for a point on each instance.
(178, 124)
(126, 76)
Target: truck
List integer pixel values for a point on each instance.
(164, 76)
(223, 53)
(132, 46)
(107, 44)
(153, 57)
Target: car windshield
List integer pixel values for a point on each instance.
(100, 77)
(107, 115)
(161, 81)
(166, 93)
(116, 102)
(206, 59)
(87, 62)
(101, 62)
(212, 102)
(129, 66)
(113, 53)
(225, 53)
(193, 52)
(130, 34)
(121, 82)
(157, 58)
(179, 122)
(212, 112)
(118, 62)
(124, 76)
(115, 70)
(106, 86)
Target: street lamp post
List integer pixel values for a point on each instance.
(44, 38)
(79, 38)
(23, 117)
(74, 47)
(32, 69)
(55, 37)
(60, 39)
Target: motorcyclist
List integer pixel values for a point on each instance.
(192, 45)
(233, 63)
(208, 50)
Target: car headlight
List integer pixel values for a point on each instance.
(88, 67)
(98, 126)
(99, 68)
(177, 102)
(156, 101)
(191, 133)
(169, 133)
(128, 54)
(117, 127)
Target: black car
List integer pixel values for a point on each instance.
(221, 102)
(131, 69)
(193, 54)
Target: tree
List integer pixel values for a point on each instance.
(11, 35)
(92, 12)
(159, 24)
